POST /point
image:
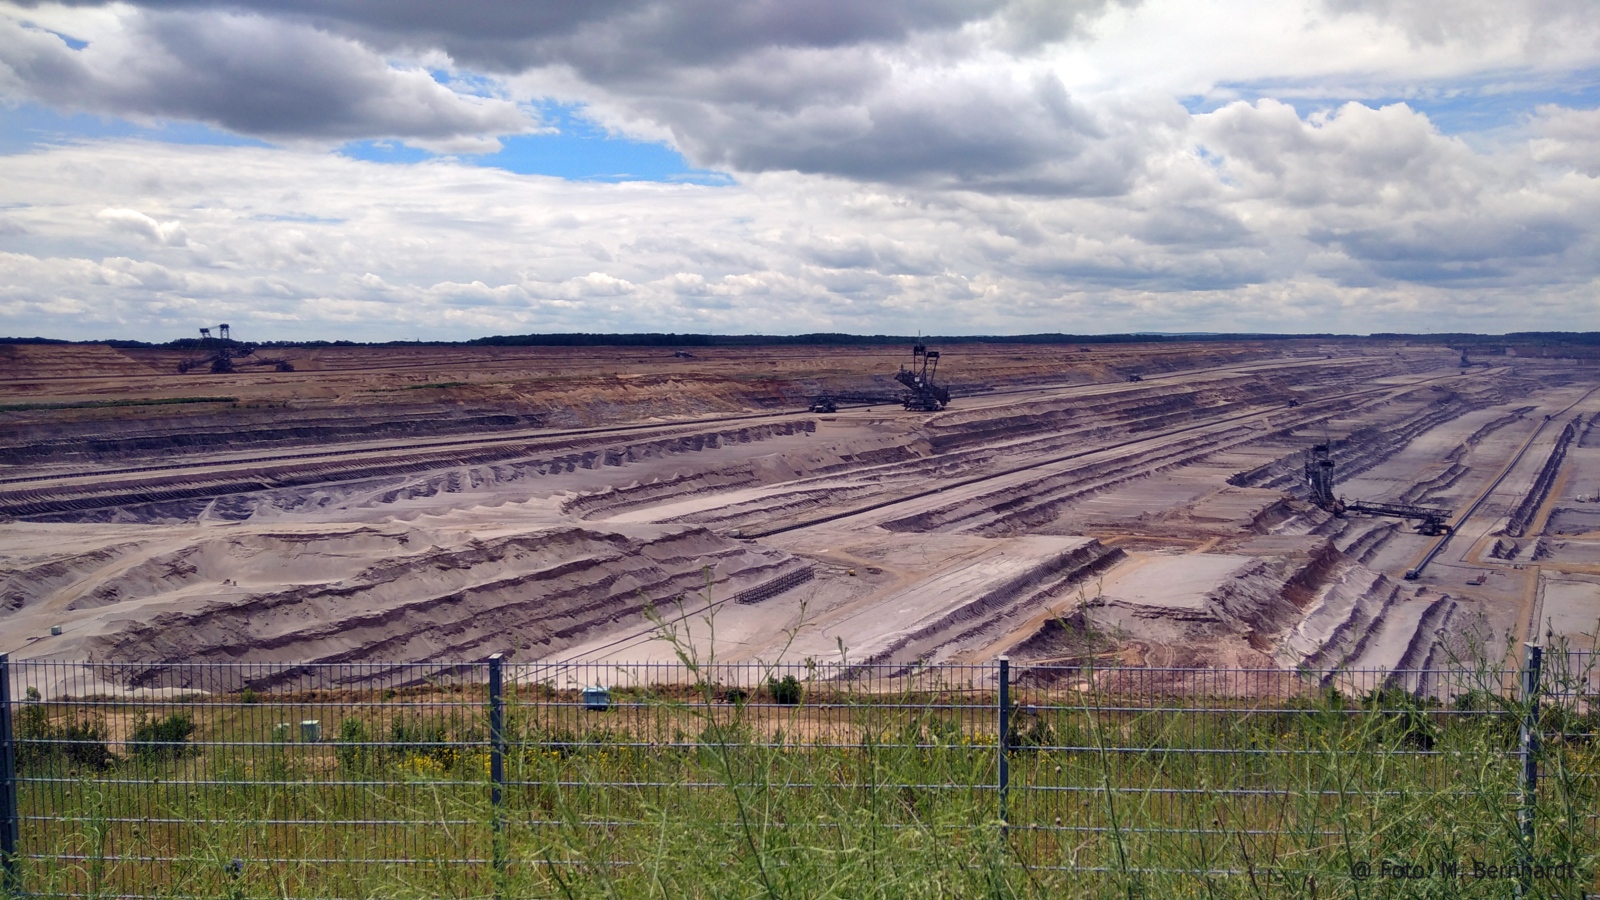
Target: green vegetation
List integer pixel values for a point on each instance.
(804, 788)
(76, 741)
(434, 384)
(107, 404)
(673, 339)
(785, 691)
(164, 738)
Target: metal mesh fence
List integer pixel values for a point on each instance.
(480, 779)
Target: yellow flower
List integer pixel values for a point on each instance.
(424, 767)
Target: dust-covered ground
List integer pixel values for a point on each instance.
(576, 505)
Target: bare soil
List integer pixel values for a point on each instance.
(559, 504)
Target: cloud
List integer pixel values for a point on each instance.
(986, 165)
(1395, 199)
(1259, 219)
(1043, 97)
(1352, 156)
(1477, 22)
(169, 234)
(613, 35)
(975, 130)
(925, 94)
(1568, 137)
(251, 75)
(901, 91)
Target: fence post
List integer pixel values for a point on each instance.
(497, 766)
(10, 833)
(1004, 742)
(1529, 752)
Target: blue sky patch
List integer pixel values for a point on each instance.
(29, 126)
(69, 40)
(307, 219)
(594, 156)
(578, 150)
(1471, 106)
(385, 151)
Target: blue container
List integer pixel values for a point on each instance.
(596, 698)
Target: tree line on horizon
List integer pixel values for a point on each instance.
(673, 339)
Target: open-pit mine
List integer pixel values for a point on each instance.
(1147, 503)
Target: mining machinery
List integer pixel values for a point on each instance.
(1319, 477)
(828, 403)
(1319, 470)
(224, 355)
(925, 393)
(1429, 521)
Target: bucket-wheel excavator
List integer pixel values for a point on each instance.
(925, 394)
(1319, 476)
(224, 355)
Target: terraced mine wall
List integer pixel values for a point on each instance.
(1362, 450)
(233, 429)
(998, 606)
(157, 496)
(914, 538)
(386, 598)
(1522, 515)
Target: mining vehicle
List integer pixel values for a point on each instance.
(926, 394)
(828, 403)
(1319, 477)
(224, 355)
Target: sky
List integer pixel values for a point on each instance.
(400, 169)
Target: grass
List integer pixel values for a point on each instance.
(872, 790)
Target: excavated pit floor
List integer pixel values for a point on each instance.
(1054, 512)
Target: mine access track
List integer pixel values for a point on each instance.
(1415, 572)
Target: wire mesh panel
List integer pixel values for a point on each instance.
(1241, 773)
(206, 779)
(594, 776)
(1570, 718)
(490, 779)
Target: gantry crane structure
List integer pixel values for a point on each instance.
(1319, 471)
(926, 394)
(224, 354)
